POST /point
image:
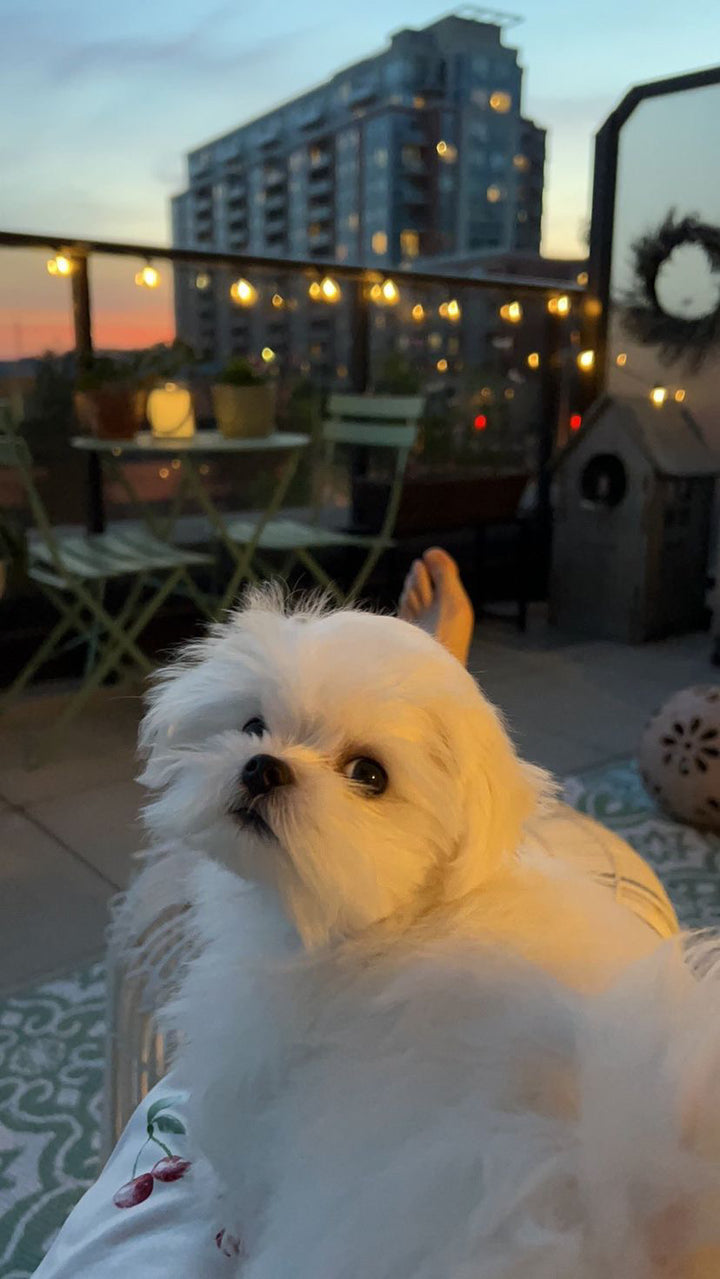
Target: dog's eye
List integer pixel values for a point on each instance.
(255, 727)
(368, 774)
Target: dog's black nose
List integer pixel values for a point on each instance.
(264, 773)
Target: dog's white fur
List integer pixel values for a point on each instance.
(405, 1053)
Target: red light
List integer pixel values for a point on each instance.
(575, 421)
(480, 422)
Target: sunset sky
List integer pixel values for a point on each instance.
(100, 102)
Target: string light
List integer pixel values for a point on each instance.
(447, 151)
(586, 361)
(621, 359)
(442, 366)
(480, 422)
(533, 360)
(267, 354)
(575, 421)
(385, 294)
(243, 292)
(60, 265)
(315, 291)
(453, 310)
(163, 473)
(559, 305)
(277, 300)
(418, 313)
(148, 278)
(512, 312)
(679, 395)
(658, 396)
(330, 289)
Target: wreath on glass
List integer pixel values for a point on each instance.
(645, 319)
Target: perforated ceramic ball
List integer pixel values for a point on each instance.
(679, 756)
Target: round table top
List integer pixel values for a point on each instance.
(202, 442)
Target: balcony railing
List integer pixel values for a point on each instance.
(495, 356)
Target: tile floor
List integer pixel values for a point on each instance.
(69, 829)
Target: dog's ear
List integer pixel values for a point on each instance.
(501, 792)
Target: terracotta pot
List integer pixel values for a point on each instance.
(108, 412)
(244, 411)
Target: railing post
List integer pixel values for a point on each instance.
(551, 397)
(82, 321)
(360, 347)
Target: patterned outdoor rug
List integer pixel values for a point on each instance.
(52, 1037)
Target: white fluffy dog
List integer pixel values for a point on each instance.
(407, 1051)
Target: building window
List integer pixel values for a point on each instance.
(522, 215)
(353, 221)
(418, 102)
(521, 162)
(381, 157)
(409, 244)
(479, 97)
(341, 252)
(296, 160)
(500, 101)
(379, 242)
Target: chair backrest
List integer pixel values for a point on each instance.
(378, 422)
(15, 455)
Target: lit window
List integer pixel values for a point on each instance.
(494, 194)
(379, 242)
(341, 370)
(533, 360)
(586, 361)
(582, 277)
(509, 393)
(409, 244)
(316, 155)
(658, 396)
(381, 157)
(679, 395)
(268, 355)
(500, 101)
(434, 341)
(353, 221)
(453, 346)
(442, 366)
(418, 313)
(418, 102)
(453, 310)
(521, 162)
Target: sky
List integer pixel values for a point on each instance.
(100, 102)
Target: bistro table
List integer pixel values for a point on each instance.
(187, 454)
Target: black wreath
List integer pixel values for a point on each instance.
(643, 316)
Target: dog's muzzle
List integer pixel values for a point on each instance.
(265, 773)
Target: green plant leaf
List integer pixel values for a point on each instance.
(169, 1123)
(163, 1103)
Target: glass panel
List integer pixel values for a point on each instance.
(665, 169)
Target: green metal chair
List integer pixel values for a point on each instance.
(73, 571)
(387, 422)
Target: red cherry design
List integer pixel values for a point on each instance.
(133, 1192)
(171, 1168)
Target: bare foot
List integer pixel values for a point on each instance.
(434, 598)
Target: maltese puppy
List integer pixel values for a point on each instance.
(415, 1049)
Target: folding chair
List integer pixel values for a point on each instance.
(73, 571)
(388, 422)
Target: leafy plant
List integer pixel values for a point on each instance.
(105, 371)
(166, 362)
(242, 372)
(397, 376)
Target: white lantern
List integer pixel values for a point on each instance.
(170, 412)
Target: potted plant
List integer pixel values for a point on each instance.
(244, 400)
(106, 399)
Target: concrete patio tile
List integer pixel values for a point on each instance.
(97, 748)
(101, 825)
(53, 910)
